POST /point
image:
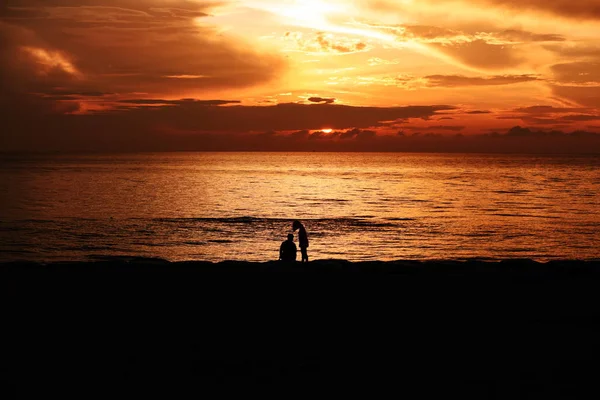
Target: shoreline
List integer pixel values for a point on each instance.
(472, 266)
(157, 260)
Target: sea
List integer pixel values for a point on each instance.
(355, 206)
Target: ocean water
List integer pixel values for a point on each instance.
(355, 206)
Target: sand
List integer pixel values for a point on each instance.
(128, 326)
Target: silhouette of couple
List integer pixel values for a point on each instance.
(288, 250)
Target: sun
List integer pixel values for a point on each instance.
(308, 13)
(327, 130)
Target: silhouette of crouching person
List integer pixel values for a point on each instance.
(302, 239)
(288, 250)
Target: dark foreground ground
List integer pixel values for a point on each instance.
(508, 330)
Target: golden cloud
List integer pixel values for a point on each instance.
(325, 43)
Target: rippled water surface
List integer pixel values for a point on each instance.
(355, 206)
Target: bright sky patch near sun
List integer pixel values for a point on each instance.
(495, 63)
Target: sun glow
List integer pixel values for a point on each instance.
(309, 13)
(327, 130)
(332, 16)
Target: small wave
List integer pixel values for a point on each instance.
(526, 216)
(86, 247)
(362, 223)
(514, 236)
(242, 220)
(516, 191)
(361, 220)
(15, 251)
(226, 220)
(477, 234)
(12, 228)
(129, 259)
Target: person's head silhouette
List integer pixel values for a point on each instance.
(290, 237)
(296, 225)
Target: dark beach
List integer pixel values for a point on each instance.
(510, 329)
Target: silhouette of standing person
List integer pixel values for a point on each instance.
(302, 239)
(288, 250)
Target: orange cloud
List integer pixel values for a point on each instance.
(459, 80)
(587, 9)
(409, 82)
(580, 73)
(580, 9)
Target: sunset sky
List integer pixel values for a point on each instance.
(300, 75)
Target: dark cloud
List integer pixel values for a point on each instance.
(321, 100)
(172, 128)
(517, 139)
(580, 117)
(79, 94)
(124, 46)
(460, 80)
(21, 73)
(476, 112)
(300, 134)
(551, 116)
(546, 121)
(11, 11)
(581, 9)
(548, 110)
(452, 128)
(577, 72)
(182, 102)
(355, 133)
(554, 116)
(142, 124)
(519, 131)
